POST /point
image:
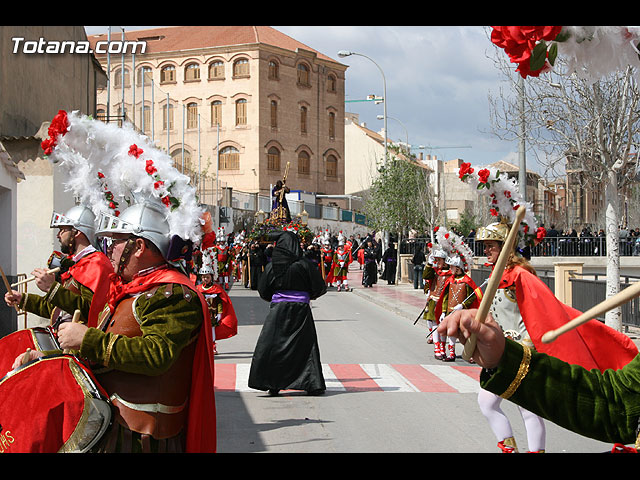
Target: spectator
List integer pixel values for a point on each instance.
(552, 234)
(418, 267)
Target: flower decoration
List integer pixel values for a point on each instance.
(505, 199)
(108, 195)
(166, 198)
(527, 47)
(262, 231)
(454, 246)
(59, 126)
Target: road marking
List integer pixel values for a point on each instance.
(369, 377)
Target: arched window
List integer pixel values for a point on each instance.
(332, 166)
(241, 68)
(241, 112)
(216, 112)
(332, 125)
(274, 114)
(274, 70)
(229, 159)
(216, 70)
(168, 74)
(273, 159)
(146, 74)
(303, 120)
(192, 115)
(192, 72)
(303, 75)
(304, 163)
(117, 78)
(332, 82)
(167, 120)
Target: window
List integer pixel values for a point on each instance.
(303, 163)
(145, 114)
(241, 112)
(216, 70)
(192, 72)
(241, 68)
(192, 115)
(168, 120)
(216, 112)
(144, 73)
(117, 78)
(168, 74)
(332, 166)
(273, 159)
(274, 70)
(181, 163)
(303, 75)
(274, 114)
(303, 120)
(331, 83)
(229, 159)
(332, 125)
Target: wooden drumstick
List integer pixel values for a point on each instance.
(75, 319)
(26, 357)
(30, 279)
(494, 281)
(618, 299)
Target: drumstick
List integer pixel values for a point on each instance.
(30, 279)
(26, 357)
(494, 280)
(75, 319)
(618, 299)
(7, 286)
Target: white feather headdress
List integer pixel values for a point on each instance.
(106, 165)
(454, 246)
(504, 199)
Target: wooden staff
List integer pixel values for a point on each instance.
(75, 319)
(494, 281)
(7, 285)
(618, 299)
(30, 279)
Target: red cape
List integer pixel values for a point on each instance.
(592, 345)
(463, 279)
(201, 428)
(94, 271)
(228, 326)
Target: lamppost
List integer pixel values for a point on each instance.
(379, 117)
(346, 53)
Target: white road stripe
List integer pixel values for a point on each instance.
(388, 378)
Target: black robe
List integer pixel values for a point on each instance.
(370, 272)
(287, 356)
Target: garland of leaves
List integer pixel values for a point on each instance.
(261, 231)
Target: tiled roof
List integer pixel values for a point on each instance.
(172, 39)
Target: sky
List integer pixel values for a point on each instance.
(438, 79)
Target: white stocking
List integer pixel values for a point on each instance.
(490, 408)
(536, 430)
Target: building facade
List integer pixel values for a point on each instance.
(238, 103)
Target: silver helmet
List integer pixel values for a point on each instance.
(456, 261)
(206, 270)
(146, 219)
(79, 217)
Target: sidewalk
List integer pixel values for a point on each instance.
(403, 300)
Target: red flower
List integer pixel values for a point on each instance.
(166, 200)
(117, 213)
(507, 193)
(59, 126)
(429, 244)
(112, 205)
(483, 175)
(150, 168)
(158, 184)
(493, 212)
(465, 169)
(446, 235)
(435, 229)
(519, 41)
(100, 175)
(47, 145)
(135, 151)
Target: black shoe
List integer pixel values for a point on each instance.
(273, 393)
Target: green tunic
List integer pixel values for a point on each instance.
(603, 406)
(61, 297)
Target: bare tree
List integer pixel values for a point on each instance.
(587, 128)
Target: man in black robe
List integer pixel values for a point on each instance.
(370, 272)
(287, 356)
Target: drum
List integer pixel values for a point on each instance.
(16, 343)
(52, 404)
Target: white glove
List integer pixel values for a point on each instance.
(441, 317)
(342, 264)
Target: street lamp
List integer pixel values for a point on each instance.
(346, 53)
(379, 117)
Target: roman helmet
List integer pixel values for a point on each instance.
(79, 217)
(497, 231)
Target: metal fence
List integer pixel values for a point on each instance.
(550, 246)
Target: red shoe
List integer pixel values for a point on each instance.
(508, 445)
(439, 350)
(451, 354)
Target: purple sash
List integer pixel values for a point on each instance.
(290, 296)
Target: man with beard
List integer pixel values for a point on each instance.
(84, 286)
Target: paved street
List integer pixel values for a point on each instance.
(385, 391)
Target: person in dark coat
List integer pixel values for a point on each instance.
(390, 262)
(287, 356)
(257, 261)
(370, 272)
